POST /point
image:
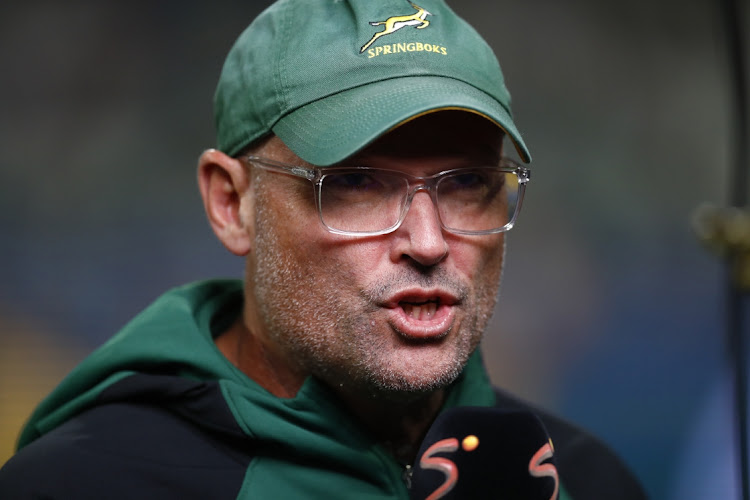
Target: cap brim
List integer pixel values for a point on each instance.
(329, 130)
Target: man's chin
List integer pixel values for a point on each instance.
(407, 387)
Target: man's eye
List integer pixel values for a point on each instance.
(353, 181)
(467, 180)
(472, 186)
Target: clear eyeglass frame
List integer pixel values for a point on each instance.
(316, 176)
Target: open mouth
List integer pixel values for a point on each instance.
(420, 311)
(422, 315)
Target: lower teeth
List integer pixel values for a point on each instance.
(421, 312)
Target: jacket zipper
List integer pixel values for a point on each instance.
(406, 476)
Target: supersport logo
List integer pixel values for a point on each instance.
(395, 23)
(539, 469)
(449, 468)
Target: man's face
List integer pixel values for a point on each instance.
(394, 314)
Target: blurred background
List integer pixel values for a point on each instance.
(611, 312)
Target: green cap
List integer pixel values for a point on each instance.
(330, 76)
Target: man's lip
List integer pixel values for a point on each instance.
(433, 326)
(420, 296)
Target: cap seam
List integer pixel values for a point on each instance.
(281, 90)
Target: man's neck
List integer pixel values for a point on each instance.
(251, 357)
(398, 423)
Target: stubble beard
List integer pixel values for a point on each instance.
(309, 311)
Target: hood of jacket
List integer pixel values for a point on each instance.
(174, 337)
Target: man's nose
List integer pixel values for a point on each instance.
(420, 236)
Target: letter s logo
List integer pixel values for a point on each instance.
(538, 469)
(441, 464)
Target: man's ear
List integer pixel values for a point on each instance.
(225, 186)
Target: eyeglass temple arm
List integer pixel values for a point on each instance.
(266, 164)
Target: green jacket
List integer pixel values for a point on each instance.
(158, 411)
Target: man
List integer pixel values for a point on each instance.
(359, 172)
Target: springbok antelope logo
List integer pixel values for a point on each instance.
(395, 23)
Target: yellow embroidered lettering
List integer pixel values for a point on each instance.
(395, 48)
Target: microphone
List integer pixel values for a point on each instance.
(485, 453)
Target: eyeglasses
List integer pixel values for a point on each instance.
(363, 201)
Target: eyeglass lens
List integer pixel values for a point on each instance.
(471, 200)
